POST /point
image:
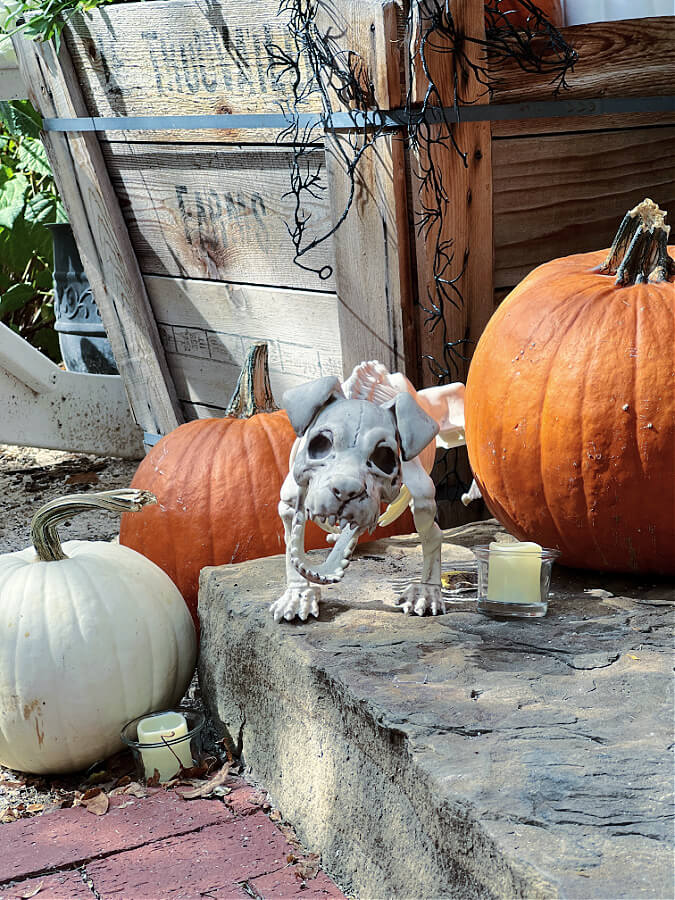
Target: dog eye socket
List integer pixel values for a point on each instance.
(320, 446)
(384, 458)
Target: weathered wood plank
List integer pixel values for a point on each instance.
(372, 245)
(279, 316)
(207, 327)
(182, 58)
(215, 212)
(102, 238)
(201, 381)
(576, 124)
(459, 248)
(561, 194)
(628, 58)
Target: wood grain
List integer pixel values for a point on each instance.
(305, 318)
(207, 327)
(628, 58)
(102, 239)
(576, 124)
(183, 58)
(467, 216)
(215, 212)
(206, 382)
(560, 194)
(372, 267)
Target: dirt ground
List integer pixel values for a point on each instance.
(29, 477)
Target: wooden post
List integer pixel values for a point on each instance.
(102, 238)
(372, 252)
(467, 216)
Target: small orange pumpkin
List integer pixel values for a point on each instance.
(217, 484)
(570, 404)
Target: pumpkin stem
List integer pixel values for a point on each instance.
(640, 249)
(43, 529)
(253, 393)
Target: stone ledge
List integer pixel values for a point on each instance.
(459, 755)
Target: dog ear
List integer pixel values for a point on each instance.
(415, 428)
(304, 402)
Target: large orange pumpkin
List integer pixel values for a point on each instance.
(570, 404)
(217, 484)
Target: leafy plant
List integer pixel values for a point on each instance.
(44, 20)
(28, 203)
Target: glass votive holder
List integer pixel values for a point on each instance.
(514, 582)
(164, 742)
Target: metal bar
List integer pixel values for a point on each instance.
(179, 123)
(398, 118)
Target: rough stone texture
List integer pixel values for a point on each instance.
(59, 886)
(215, 861)
(460, 755)
(70, 836)
(158, 847)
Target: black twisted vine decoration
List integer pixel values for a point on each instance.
(318, 66)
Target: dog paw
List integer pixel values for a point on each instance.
(421, 599)
(297, 601)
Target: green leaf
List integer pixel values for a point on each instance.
(32, 157)
(44, 208)
(20, 118)
(22, 243)
(47, 341)
(12, 200)
(16, 297)
(44, 280)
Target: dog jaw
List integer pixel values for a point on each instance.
(333, 568)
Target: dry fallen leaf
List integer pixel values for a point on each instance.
(135, 789)
(32, 893)
(82, 478)
(98, 804)
(11, 783)
(153, 781)
(206, 789)
(307, 867)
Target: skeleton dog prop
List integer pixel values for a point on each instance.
(360, 444)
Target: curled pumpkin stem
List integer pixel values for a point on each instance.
(640, 249)
(43, 527)
(253, 393)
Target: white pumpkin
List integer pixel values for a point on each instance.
(88, 641)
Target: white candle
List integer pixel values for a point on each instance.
(167, 760)
(514, 572)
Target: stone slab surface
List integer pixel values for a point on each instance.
(162, 847)
(456, 756)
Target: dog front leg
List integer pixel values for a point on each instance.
(301, 598)
(425, 595)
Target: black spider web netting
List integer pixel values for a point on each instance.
(316, 68)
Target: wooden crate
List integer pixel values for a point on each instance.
(183, 233)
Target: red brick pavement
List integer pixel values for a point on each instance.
(154, 848)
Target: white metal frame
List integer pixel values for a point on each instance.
(42, 405)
